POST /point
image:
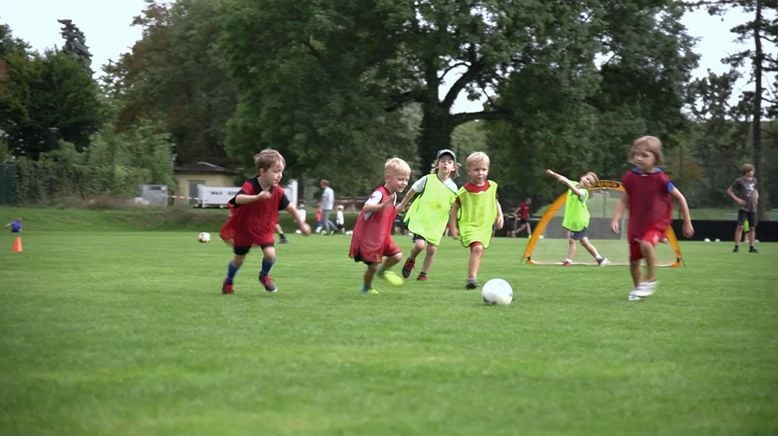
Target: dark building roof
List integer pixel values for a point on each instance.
(202, 167)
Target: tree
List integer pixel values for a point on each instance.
(308, 73)
(760, 61)
(175, 75)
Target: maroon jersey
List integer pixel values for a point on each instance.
(650, 202)
(373, 235)
(253, 223)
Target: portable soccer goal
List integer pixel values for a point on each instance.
(548, 243)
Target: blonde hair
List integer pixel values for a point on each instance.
(396, 165)
(267, 158)
(477, 157)
(746, 168)
(651, 144)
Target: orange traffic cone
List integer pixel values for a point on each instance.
(17, 247)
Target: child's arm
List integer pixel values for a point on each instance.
(304, 227)
(500, 220)
(620, 207)
(452, 220)
(687, 228)
(375, 207)
(564, 180)
(740, 202)
(246, 198)
(406, 200)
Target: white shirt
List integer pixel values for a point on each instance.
(328, 199)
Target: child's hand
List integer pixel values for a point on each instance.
(688, 229)
(615, 226)
(264, 195)
(305, 229)
(500, 222)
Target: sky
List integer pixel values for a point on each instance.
(109, 33)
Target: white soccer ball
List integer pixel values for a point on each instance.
(718, 240)
(707, 239)
(497, 291)
(204, 237)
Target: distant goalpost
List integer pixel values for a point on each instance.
(548, 243)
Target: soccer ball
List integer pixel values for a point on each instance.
(707, 239)
(204, 237)
(497, 291)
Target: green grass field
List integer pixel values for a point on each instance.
(125, 332)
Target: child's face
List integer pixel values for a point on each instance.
(643, 159)
(478, 171)
(750, 174)
(587, 181)
(272, 176)
(446, 165)
(396, 181)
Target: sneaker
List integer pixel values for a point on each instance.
(633, 297)
(267, 282)
(753, 250)
(283, 241)
(369, 291)
(603, 261)
(408, 267)
(566, 263)
(736, 249)
(422, 277)
(471, 284)
(645, 289)
(227, 288)
(391, 277)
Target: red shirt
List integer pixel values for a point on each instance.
(650, 202)
(524, 211)
(254, 223)
(373, 236)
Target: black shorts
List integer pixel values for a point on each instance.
(743, 215)
(242, 251)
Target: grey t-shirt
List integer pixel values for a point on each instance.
(746, 189)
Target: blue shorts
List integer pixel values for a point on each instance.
(577, 236)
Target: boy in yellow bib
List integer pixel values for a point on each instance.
(475, 213)
(576, 219)
(429, 212)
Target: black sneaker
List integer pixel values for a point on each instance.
(736, 249)
(408, 267)
(753, 250)
(471, 284)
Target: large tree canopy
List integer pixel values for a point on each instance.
(310, 74)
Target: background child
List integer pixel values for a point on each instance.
(429, 213)
(254, 215)
(743, 191)
(15, 225)
(648, 196)
(522, 218)
(371, 241)
(475, 212)
(576, 219)
(340, 219)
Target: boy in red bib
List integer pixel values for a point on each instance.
(254, 216)
(372, 241)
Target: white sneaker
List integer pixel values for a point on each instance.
(603, 261)
(645, 289)
(633, 297)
